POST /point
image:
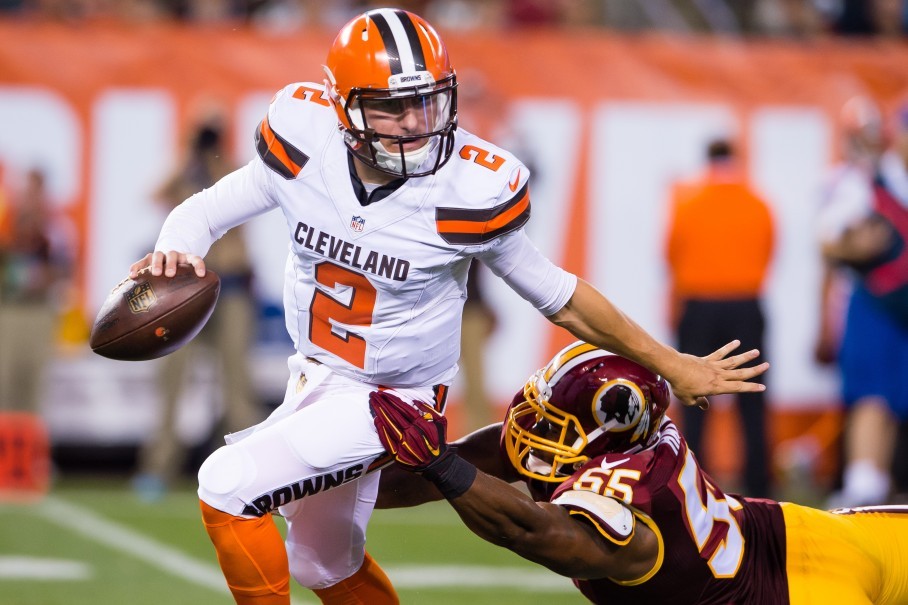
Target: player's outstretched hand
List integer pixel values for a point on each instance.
(414, 434)
(716, 374)
(166, 263)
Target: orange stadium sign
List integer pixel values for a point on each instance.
(606, 123)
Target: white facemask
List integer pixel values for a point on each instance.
(412, 159)
(537, 465)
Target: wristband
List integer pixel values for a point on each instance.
(451, 474)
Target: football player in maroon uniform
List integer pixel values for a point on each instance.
(620, 505)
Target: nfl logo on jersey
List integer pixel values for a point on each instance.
(357, 223)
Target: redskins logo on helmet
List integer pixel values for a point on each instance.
(585, 402)
(394, 90)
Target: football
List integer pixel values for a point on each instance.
(152, 316)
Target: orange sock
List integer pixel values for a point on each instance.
(252, 557)
(368, 586)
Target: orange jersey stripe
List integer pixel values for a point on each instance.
(278, 154)
(499, 221)
(469, 227)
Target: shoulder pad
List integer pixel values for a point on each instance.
(299, 120)
(494, 174)
(611, 517)
(487, 189)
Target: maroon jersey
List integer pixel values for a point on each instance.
(715, 548)
(887, 277)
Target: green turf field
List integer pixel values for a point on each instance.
(92, 542)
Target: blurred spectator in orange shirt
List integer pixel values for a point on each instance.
(720, 242)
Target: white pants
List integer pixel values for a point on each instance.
(310, 460)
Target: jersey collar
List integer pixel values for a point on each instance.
(378, 193)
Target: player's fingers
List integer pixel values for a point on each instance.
(739, 360)
(197, 263)
(171, 261)
(693, 401)
(391, 422)
(436, 415)
(751, 387)
(139, 265)
(158, 260)
(725, 350)
(389, 401)
(741, 386)
(746, 373)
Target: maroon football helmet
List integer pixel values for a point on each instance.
(585, 402)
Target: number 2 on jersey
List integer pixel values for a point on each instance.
(482, 157)
(314, 95)
(325, 308)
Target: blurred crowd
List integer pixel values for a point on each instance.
(788, 18)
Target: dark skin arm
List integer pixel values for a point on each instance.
(503, 515)
(548, 535)
(400, 488)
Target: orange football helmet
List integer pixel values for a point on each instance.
(584, 403)
(388, 66)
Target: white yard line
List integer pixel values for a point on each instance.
(126, 540)
(173, 561)
(35, 568)
(477, 576)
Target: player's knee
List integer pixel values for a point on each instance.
(312, 571)
(223, 473)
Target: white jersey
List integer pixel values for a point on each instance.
(894, 176)
(376, 291)
(846, 198)
(848, 195)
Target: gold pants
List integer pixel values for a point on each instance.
(856, 558)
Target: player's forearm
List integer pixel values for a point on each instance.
(503, 515)
(400, 489)
(591, 317)
(197, 223)
(186, 230)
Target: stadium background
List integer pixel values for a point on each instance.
(607, 120)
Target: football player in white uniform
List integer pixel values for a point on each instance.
(386, 203)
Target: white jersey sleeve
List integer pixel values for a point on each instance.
(197, 223)
(847, 198)
(894, 175)
(534, 277)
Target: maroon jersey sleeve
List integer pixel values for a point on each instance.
(715, 548)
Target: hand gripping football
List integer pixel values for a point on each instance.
(153, 316)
